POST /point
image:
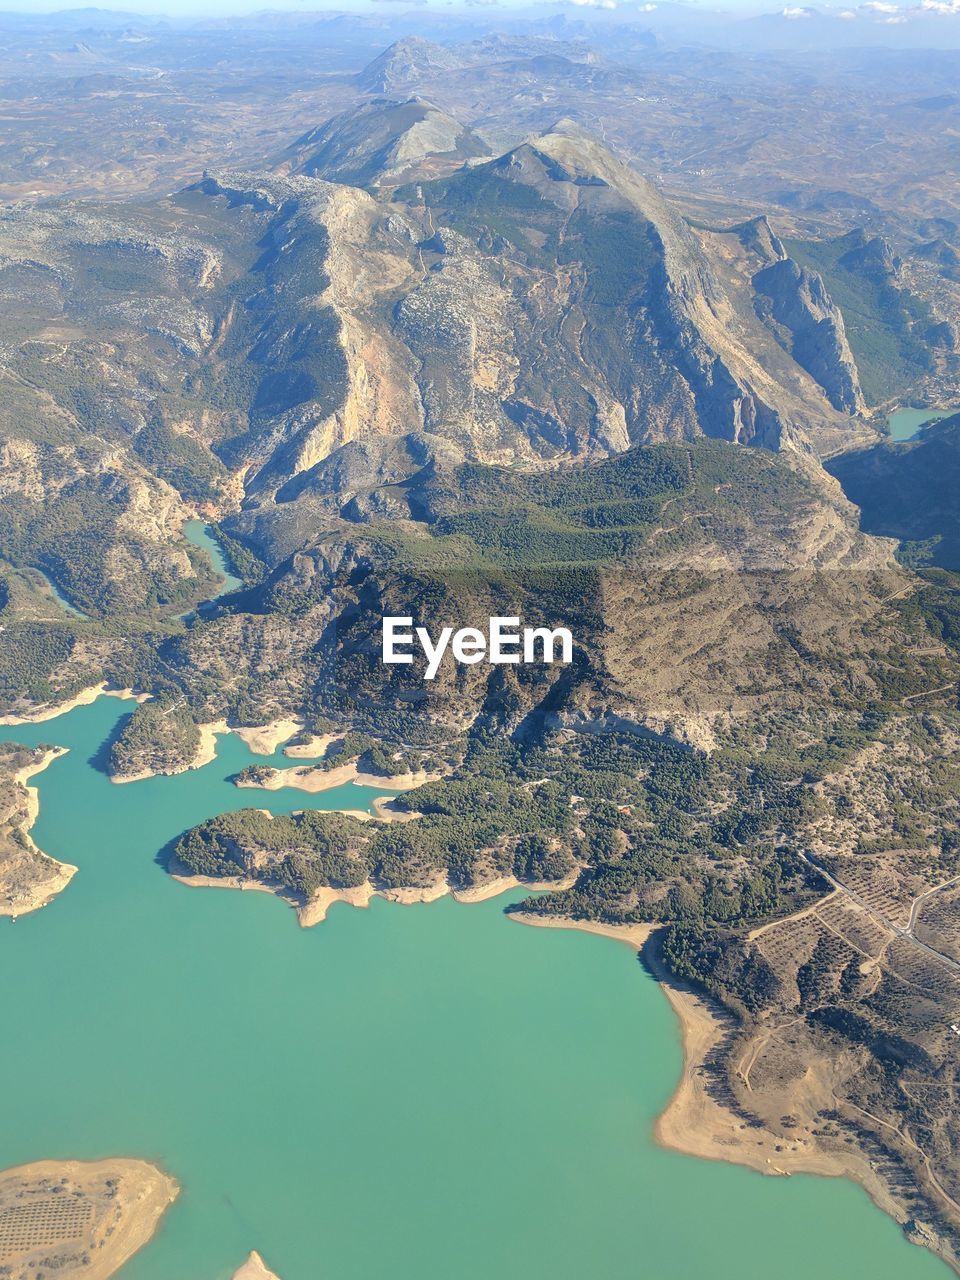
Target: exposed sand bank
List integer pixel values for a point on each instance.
(315, 910)
(185, 876)
(207, 751)
(314, 748)
(83, 699)
(635, 935)
(315, 781)
(263, 740)
(383, 809)
(255, 1269)
(117, 1220)
(41, 893)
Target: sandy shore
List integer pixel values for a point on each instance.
(255, 1269)
(314, 748)
(263, 740)
(207, 751)
(635, 935)
(383, 809)
(83, 699)
(61, 873)
(120, 1224)
(185, 876)
(315, 911)
(696, 1124)
(314, 781)
(693, 1122)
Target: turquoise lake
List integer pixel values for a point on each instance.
(199, 534)
(905, 423)
(419, 1093)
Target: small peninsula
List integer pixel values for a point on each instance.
(78, 1220)
(255, 1269)
(29, 878)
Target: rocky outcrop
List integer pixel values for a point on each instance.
(871, 257)
(796, 305)
(758, 237)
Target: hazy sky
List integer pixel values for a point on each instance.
(201, 8)
(876, 11)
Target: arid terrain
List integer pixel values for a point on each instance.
(596, 322)
(76, 1219)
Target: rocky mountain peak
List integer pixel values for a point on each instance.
(404, 63)
(384, 140)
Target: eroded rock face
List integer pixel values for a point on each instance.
(546, 304)
(872, 256)
(795, 302)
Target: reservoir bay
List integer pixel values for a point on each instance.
(421, 1092)
(905, 423)
(201, 536)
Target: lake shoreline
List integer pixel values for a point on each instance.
(694, 1123)
(314, 911)
(52, 710)
(255, 1269)
(141, 1195)
(315, 781)
(42, 894)
(206, 754)
(261, 740)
